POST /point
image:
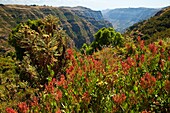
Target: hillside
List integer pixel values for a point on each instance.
(86, 12)
(78, 28)
(122, 18)
(156, 27)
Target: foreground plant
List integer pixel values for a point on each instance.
(40, 46)
(108, 82)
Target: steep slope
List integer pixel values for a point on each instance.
(77, 27)
(156, 27)
(86, 12)
(122, 18)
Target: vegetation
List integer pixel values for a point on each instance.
(41, 47)
(107, 81)
(122, 75)
(157, 27)
(104, 37)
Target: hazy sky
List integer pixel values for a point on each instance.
(94, 4)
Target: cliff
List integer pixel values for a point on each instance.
(80, 23)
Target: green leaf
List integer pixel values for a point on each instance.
(135, 88)
(125, 106)
(132, 111)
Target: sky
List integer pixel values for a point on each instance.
(94, 4)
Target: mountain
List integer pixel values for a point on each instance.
(154, 28)
(86, 12)
(80, 23)
(122, 18)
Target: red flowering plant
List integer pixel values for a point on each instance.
(144, 82)
(10, 110)
(87, 84)
(88, 78)
(109, 81)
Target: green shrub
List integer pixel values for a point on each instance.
(40, 46)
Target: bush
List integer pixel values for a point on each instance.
(40, 46)
(108, 82)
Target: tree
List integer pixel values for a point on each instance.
(41, 47)
(105, 37)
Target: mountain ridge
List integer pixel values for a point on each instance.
(79, 29)
(122, 18)
(156, 27)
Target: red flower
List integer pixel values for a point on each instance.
(142, 44)
(119, 99)
(50, 87)
(23, 108)
(161, 64)
(58, 111)
(127, 46)
(130, 61)
(70, 52)
(58, 95)
(142, 58)
(139, 39)
(10, 110)
(86, 97)
(125, 66)
(153, 48)
(70, 69)
(35, 101)
(147, 81)
(62, 81)
(137, 57)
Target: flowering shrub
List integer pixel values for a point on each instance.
(109, 81)
(10, 110)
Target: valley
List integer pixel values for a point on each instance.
(75, 60)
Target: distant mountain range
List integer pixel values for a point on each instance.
(80, 23)
(122, 18)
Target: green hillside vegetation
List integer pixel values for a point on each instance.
(40, 72)
(79, 29)
(120, 75)
(157, 27)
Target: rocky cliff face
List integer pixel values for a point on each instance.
(86, 12)
(80, 23)
(123, 18)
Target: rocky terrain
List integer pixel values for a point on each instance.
(80, 23)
